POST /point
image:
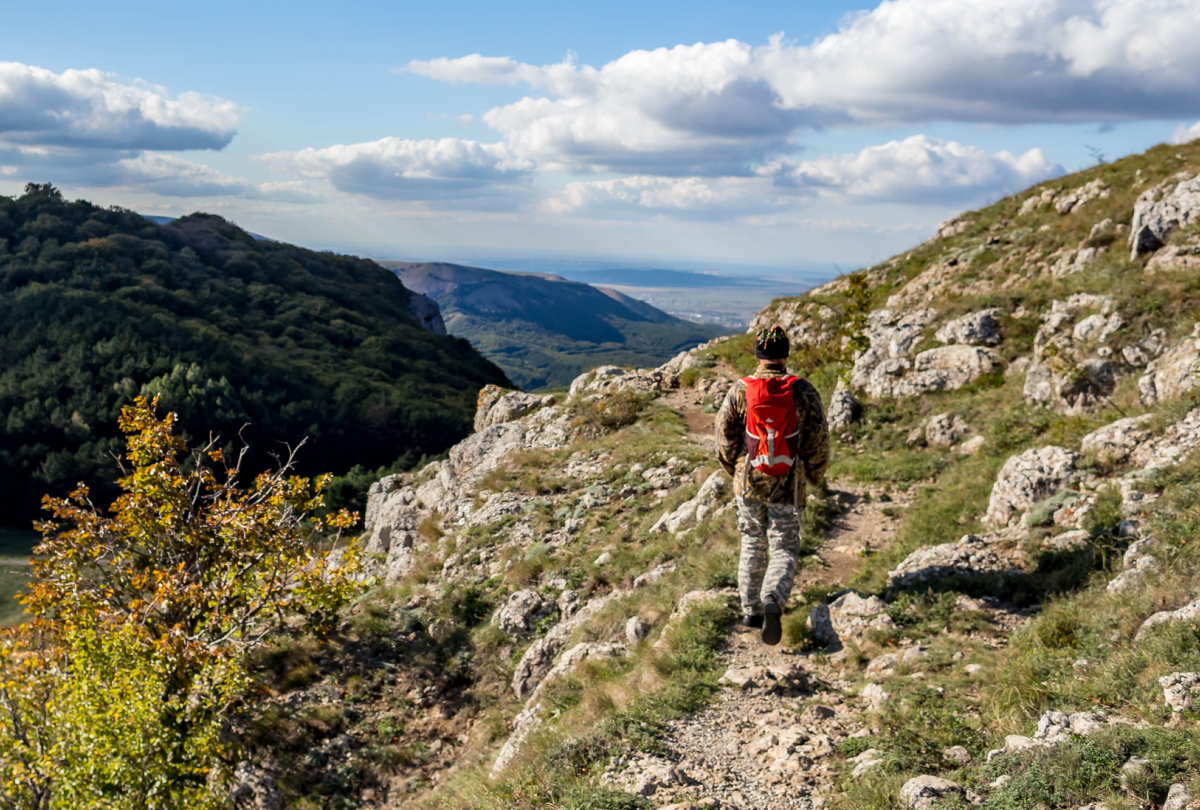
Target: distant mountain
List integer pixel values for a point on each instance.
(237, 335)
(634, 277)
(544, 330)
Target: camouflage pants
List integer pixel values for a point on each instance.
(770, 549)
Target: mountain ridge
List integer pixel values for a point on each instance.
(544, 330)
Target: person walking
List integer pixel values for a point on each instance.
(772, 438)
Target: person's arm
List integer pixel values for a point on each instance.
(731, 428)
(814, 432)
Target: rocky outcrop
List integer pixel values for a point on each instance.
(1173, 374)
(1070, 372)
(1188, 613)
(683, 608)
(1026, 479)
(971, 556)
(946, 368)
(539, 659)
(427, 313)
(496, 406)
(1180, 690)
(1115, 442)
(1037, 200)
(696, 509)
(1175, 259)
(1076, 198)
(1177, 443)
(844, 620)
(1172, 204)
(517, 615)
(973, 329)
(804, 321)
(946, 429)
(928, 792)
(844, 408)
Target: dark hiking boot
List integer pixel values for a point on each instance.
(755, 621)
(772, 623)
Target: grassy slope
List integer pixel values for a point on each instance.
(543, 330)
(1078, 619)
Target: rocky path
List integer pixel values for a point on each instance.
(766, 738)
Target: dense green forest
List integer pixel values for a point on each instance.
(545, 330)
(238, 335)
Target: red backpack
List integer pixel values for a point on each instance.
(771, 426)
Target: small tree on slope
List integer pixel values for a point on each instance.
(117, 694)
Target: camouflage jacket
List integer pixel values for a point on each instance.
(812, 453)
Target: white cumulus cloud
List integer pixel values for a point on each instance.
(919, 170)
(1185, 134)
(467, 172)
(717, 108)
(87, 109)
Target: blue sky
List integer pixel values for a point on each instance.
(670, 132)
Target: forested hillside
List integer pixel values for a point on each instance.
(237, 335)
(544, 330)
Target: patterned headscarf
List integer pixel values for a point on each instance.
(771, 344)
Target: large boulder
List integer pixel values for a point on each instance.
(1172, 204)
(844, 408)
(1115, 442)
(972, 555)
(1173, 374)
(946, 429)
(927, 792)
(973, 329)
(1026, 479)
(497, 405)
(946, 368)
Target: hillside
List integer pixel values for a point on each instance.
(1013, 501)
(239, 336)
(544, 330)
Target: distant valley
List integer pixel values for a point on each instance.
(544, 330)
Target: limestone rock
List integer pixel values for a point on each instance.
(1115, 442)
(847, 618)
(1026, 479)
(1172, 204)
(970, 556)
(1175, 259)
(1188, 613)
(497, 405)
(875, 696)
(1079, 197)
(956, 753)
(1180, 690)
(844, 408)
(758, 677)
(951, 227)
(972, 445)
(572, 659)
(945, 429)
(516, 616)
(926, 792)
(635, 630)
(696, 509)
(1146, 349)
(974, 329)
(1178, 797)
(427, 313)
(1078, 390)
(1037, 200)
(538, 660)
(1173, 374)
(1177, 442)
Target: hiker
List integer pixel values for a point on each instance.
(773, 439)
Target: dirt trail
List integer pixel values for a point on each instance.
(765, 739)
